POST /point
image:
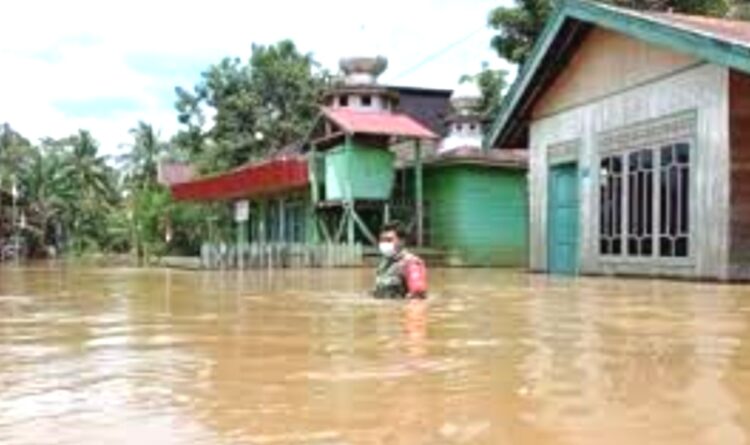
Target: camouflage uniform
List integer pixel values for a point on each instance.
(390, 278)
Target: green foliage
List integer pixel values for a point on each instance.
(258, 106)
(65, 190)
(48, 195)
(14, 154)
(492, 84)
(75, 200)
(519, 26)
(94, 183)
(155, 224)
(141, 162)
(151, 209)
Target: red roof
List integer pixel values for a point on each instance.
(377, 122)
(250, 180)
(722, 29)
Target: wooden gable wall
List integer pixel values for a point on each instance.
(608, 62)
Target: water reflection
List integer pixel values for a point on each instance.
(634, 361)
(415, 327)
(89, 356)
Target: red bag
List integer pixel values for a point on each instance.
(416, 276)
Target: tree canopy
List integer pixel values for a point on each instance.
(264, 104)
(491, 83)
(72, 199)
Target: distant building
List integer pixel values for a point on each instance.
(169, 173)
(477, 199)
(381, 152)
(638, 128)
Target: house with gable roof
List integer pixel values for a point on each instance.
(638, 131)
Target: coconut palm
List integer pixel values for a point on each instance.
(142, 160)
(48, 194)
(14, 149)
(94, 182)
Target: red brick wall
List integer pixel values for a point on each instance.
(739, 140)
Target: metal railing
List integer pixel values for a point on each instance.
(280, 255)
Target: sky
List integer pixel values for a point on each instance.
(105, 65)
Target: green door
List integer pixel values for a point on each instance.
(563, 219)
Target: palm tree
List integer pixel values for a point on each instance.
(14, 149)
(142, 161)
(48, 193)
(148, 208)
(89, 170)
(93, 181)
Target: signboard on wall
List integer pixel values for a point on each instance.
(241, 211)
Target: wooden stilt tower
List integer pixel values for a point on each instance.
(352, 168)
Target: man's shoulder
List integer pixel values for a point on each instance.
(410, 256)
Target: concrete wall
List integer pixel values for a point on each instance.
(693, 95)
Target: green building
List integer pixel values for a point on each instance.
(378, 153)
(476, 200)
(477, 210)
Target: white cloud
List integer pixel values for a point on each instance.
(69, 65)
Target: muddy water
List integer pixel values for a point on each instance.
(121, 356)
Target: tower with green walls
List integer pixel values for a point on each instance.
(477, 207)
(352, 165)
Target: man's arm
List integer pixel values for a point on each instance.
(415, 274)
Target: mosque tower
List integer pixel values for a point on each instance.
(465, 123)
(359, 88)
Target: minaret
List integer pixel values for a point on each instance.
(465, 124)
(359, 89)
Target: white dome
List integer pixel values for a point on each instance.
(361, 61)
(362, 70)
(466, 96)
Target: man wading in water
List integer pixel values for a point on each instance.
(401, 274)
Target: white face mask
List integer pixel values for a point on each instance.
(387, 249)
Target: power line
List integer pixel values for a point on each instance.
(438, 53)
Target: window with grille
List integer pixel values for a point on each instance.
(610, 213)
(644, 202)
(640, 203)
(674, 198)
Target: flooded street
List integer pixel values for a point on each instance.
(120, 356)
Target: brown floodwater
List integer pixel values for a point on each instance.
(121, 356)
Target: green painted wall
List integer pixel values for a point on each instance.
(478, 214)
(359, 172)
(265, 223)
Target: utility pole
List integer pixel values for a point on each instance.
(419, 192)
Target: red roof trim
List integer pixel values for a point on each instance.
(247, 181)
(377, 122)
